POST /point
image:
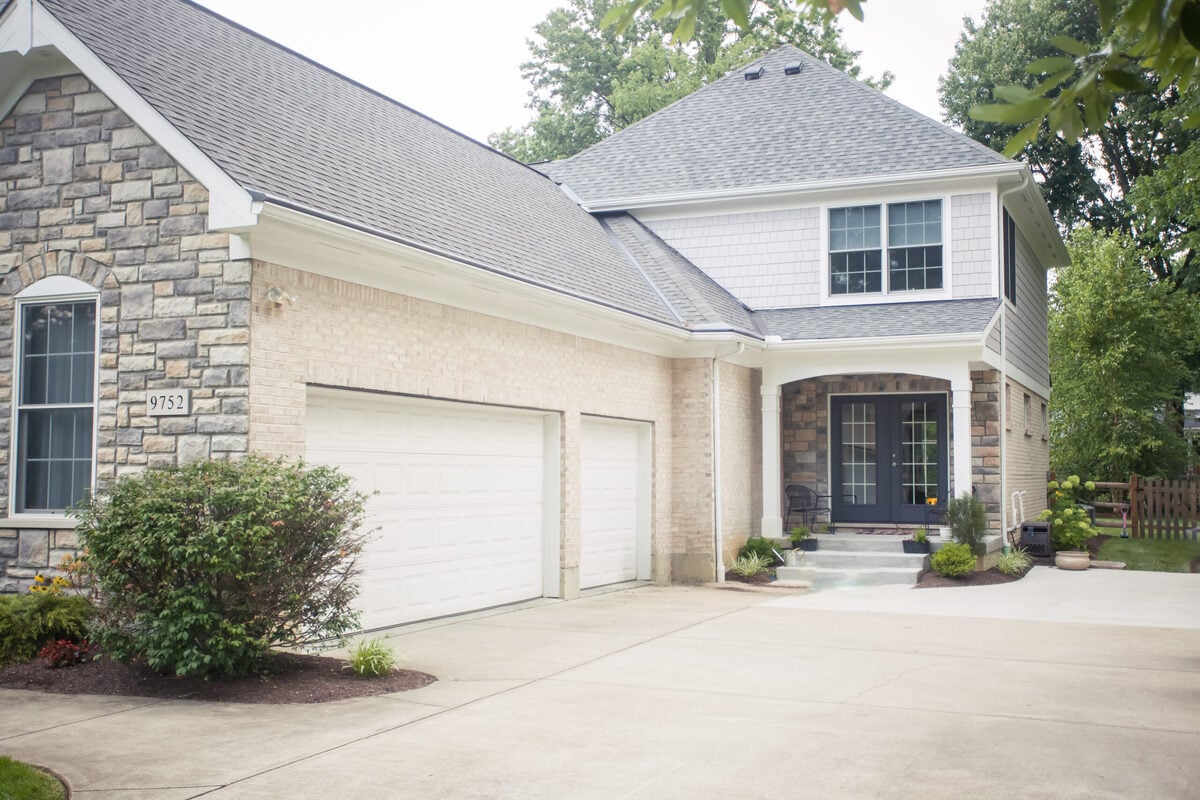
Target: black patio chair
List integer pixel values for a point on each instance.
(807, 503)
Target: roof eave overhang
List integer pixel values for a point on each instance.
(37, 45)
(995, 171)
(305, 239)
(931, 341)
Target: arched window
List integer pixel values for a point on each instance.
(54, 419)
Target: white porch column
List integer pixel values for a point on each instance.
(772, 523)
(960, 388)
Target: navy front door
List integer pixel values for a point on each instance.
(889, 456)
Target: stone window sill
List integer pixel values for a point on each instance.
(43, 523)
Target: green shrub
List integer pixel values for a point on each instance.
(203, 568)
(27, 621)
(374, 658)
(750, 565)
(1014, 562)
(953, 560)
(800, 533)
(967, 519)
(756, 545)
(921, 535)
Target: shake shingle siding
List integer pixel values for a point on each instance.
(291, 129)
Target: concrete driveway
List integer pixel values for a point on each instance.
(678, 692)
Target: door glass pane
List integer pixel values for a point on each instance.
(858, 454)
(920, 470)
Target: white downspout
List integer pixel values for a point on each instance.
(1004, 358)
(718, 531)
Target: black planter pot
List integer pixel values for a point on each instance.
(805, 544)
(915, 547)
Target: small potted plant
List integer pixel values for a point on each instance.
(802, 539)
(919, 543)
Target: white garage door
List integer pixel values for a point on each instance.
(459, 506)
(613, 494)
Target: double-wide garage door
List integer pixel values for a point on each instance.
(459, 506)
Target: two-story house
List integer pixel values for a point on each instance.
(605, 371)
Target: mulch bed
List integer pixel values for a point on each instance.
(760, 578)
(931, 580)
(289, 678)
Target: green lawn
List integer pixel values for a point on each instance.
(22, 782)
(1152, 555)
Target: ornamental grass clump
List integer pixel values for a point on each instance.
(372, 658)
(202, 569)
(1070, 525)
(1014, 562)
(749, 565)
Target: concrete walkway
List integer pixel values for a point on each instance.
(677, 692)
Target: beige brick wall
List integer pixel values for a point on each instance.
(741, 456)
(1027, 456)
(346, 335)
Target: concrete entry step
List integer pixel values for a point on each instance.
(859, 542)
(860, 559)
(825, 578)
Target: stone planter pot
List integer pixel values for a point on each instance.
(911, 546)
(805, 544)
(1072, 559)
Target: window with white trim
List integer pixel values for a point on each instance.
(56, 400)
(912, 239)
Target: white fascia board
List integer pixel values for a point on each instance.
(797, 189)
(1028, 381)
(875, 343)
(229, 206)
(292, 238)
(1033, 216)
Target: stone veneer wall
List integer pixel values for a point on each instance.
(86, 193)
(985, 442)
(805, 427)
(343, 334)
(805, 422)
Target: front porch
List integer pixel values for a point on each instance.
(881, 445)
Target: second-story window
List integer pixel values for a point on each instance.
(912, 239)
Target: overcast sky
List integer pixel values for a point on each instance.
(459, 61)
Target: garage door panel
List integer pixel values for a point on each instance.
(611, 479)
(459, 504)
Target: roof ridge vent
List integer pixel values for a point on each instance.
(754, 73)
(795, 68)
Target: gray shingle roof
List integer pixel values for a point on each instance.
(282, 125)
(887, 319)
(696, 298)
(777, 130)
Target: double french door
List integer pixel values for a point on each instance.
(888, 456)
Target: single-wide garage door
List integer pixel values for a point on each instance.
(613, 489)
(459, 509)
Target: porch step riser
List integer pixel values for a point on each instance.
(819, 578)
(845, 559)
(873, 544)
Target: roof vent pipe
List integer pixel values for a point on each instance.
(793, 69)
(754, 73)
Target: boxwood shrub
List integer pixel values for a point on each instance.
(953, 560)
(201, 569)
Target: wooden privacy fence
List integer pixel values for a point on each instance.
(1154, 508)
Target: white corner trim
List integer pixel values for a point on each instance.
(229, 204)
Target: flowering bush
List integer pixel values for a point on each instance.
(1070, 526)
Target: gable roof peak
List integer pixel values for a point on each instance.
(784, 127)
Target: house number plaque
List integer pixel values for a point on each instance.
(168, 402)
